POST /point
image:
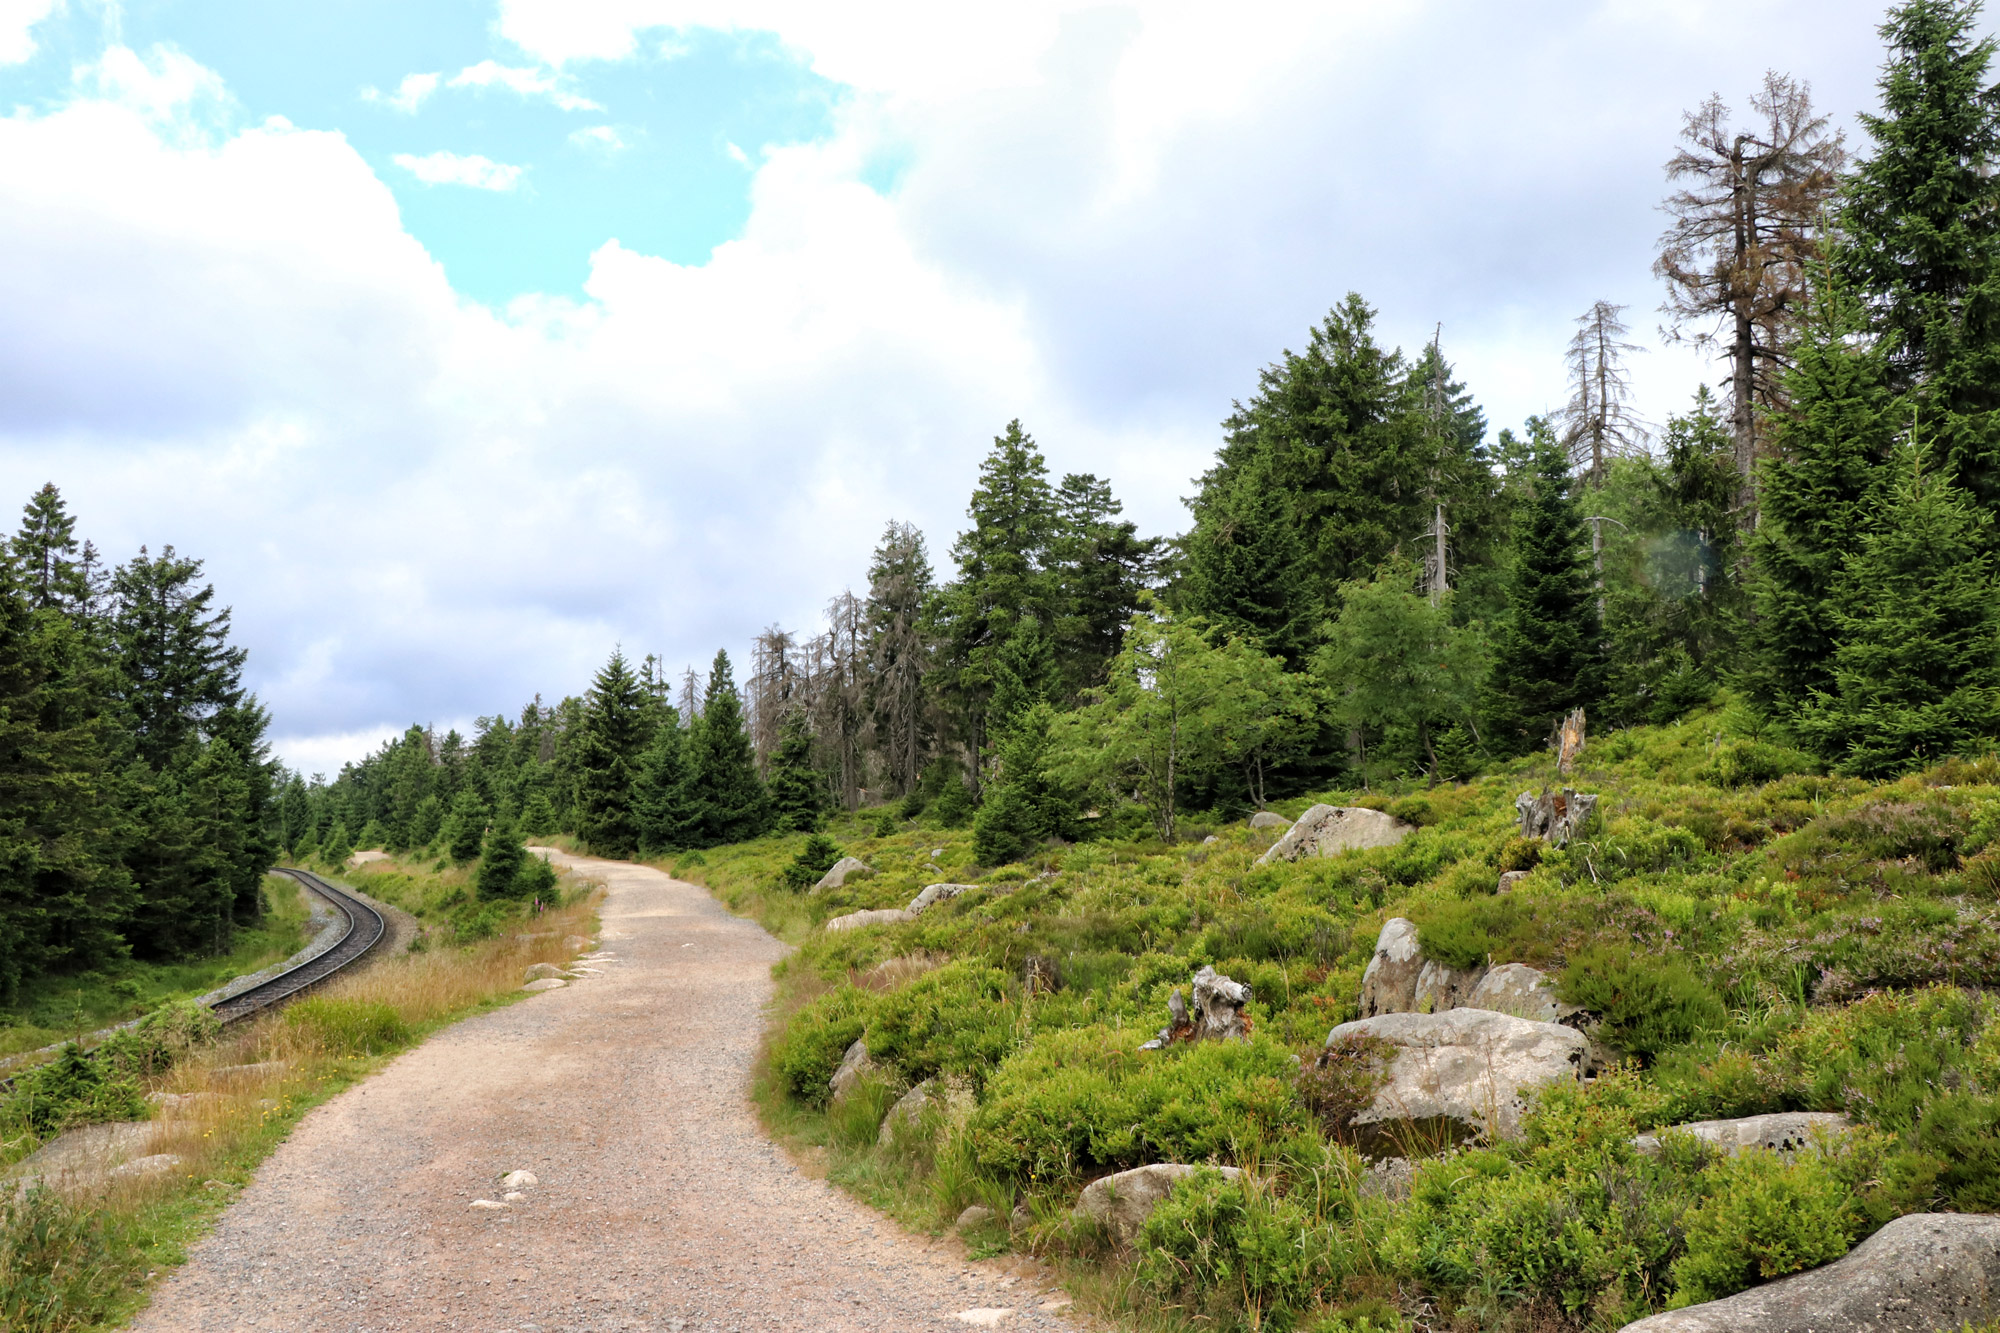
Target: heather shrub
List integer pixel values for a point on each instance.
(1234, 1255)
(813, 1043)
(1764, 1217)
(1647, 1003)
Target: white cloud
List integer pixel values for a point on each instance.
(17, 27)
(604, 138)
(525, 82)
(409, 95)
(471, 169)
(737, 155)
(1103, 221)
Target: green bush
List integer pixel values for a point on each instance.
(73, 1089)
(1765, 1218)
(1927, 831)
(953, 806)
(1237, 1256)
(1753, 763)
(160, 1040)
(1088, 1099)
(1648, 1003)
(955, 1020)
(1960, 1132)
(813, 1043)
(348, 1027)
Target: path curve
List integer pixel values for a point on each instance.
(661, 1205)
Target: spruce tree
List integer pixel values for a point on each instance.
(727, 801)
(1916, 666)
(660, 798)
(798, 790)
(465, 828)
(1815, 498)
(1028, 803)
(501, 861)
(538, 817)
(339, 845)
(293, 812)
(1243, 561)
(46, 552)
(1920, 236)
(1547, 658)
(613, 736)
(1100, 565)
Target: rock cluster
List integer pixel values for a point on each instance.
(951, 1098)
(1461, 1074)
(1123, 1202)
(1327, 829)
(1217, 1014)
(853, 1065)
(1266, 819)
(1400, 980)
(1785, 1132)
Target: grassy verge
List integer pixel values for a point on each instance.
(80, 1251)
(1750, 934)
(53, 1009)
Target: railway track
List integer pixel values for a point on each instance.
(365, 929)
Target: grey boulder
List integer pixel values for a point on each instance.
(1267, 819)
(837, 876)
(854, 1066)
(879, 916)
(1920, 1274)
(543, 972)
(937, 893)
(1784, 1132)
(1440, 988)
(1520, 990)
(1389, 986)
(951, 1098)
(1123, 1202)
(1327, 829)
(1461, 1074)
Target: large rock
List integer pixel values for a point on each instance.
(1389, 986)
(952, 1099)
(1440, 988)
(1266, 819)
(845, 866)
(879, 916)
(1123, 1202)
(543, 971)
(1920, 1274)
(1327, 829)
(1784, 1132)
(854, 1066)
(1460, 1074)
(1520, 990)
(937, 893)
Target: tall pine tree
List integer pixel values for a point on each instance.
(727, 802)
(1916, 667)
(613, 736)
(661, 800)
(798, 789)
(1547, 657)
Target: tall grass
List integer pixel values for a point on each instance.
(78, 1245)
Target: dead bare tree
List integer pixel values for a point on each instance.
(839, 692)
(899, 581)
(1599, 423)
(1746, 225)
(691, 695)
(773, 682)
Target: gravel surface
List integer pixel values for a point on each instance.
(658, 1202)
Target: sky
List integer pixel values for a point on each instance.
(468, 340)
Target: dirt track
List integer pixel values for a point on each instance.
(660, 1206)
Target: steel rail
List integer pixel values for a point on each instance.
(365, 929)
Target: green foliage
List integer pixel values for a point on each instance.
(815, 858)
(536, 880)
(1763, 1218)
(726, 799)
(1076, 1102)
(466, 829)
(58, 1266)
(815, 1039)
(1743, 763)
(160, 1040)
(72, 1089)
(1546, 659)
(798, 789)
(538, 817)
(616, 729)
(1238, 1255)
(348, 1027)
(1648, 1003)
(955, 1020)
(1029, 801)
(501, 862)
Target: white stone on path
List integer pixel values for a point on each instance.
(519, 1180)
(513, 1196)
(546, 983)
(487, 1205)
(983, 1317)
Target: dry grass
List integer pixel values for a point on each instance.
(224, 1108)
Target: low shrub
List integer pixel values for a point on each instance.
(1236, 1256)
(58, 1267)
(348, 1027)
(1647, 1003)
(813, 1043)
(1764, 1217)
(1960, 1133)
(1088, 1099)
(1753, 763)
(954, 1020)
(73, 1089)
(161, 1039)
(1928, 831)
(1340, 1081)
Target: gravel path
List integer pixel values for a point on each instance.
(660, 1203)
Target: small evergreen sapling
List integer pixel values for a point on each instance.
(798, 791)
(501, 862)
(813, 861)
(466, 827)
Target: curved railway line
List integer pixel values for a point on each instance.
(365, 928)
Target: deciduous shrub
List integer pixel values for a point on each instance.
(1086, 1099)
(1753, 763)
(1763, 1218)
(955, 1020)
(1647, 1003)
(1231, 1252)
(72, 1089)
(161, 1039)
(817, 1037)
